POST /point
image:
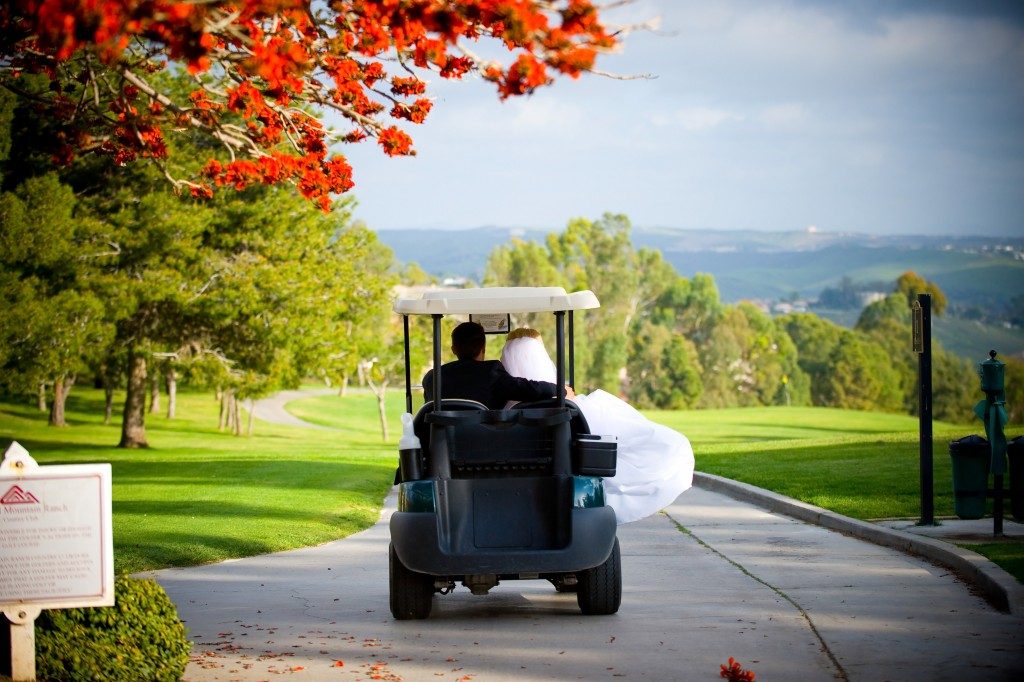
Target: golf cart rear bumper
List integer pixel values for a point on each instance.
(419, 546)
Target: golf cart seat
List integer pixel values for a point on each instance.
(419, 427)
(499, 443)
(577, 424)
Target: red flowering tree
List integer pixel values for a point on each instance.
(261, 71)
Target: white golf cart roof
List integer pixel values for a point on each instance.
(491, 300)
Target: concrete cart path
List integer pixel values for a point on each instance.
(271, 409)
(708, 579)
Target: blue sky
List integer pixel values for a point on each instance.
(871, 116)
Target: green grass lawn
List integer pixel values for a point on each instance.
(861, 464)
(198, 495)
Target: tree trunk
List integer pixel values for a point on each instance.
(41, 397)
(222, 419)
(236, 415)
(172, 392)
(154, 393)
(61, 387)
(381, 391)
(108, 396)
(229, 418)
(343, 386)
(249, 425)
(383, 415)
(133, 421)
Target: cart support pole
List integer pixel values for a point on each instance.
(572, 352)
(560, 355)
(437, 361)
(408, 370)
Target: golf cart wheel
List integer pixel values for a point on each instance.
(411, 592)
(600, 588)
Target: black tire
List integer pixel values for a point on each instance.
(599, 591)
(412, 593)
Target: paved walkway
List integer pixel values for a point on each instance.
(271, 409)
(710, 578)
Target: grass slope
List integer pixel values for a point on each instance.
(861, 464)
(198, 495)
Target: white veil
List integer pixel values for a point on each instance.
(526, 357)
(655, 463)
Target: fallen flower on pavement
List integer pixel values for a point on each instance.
(734, 672)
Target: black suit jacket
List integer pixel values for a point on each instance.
(485, 381)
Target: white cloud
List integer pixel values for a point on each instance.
(696, 119)
(783, 116)
(545, 113)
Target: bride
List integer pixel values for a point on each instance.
(655, 463)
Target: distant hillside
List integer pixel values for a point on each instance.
(747, 264)
(972, 271)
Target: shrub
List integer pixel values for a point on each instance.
(139, 638)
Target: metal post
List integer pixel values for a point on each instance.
(408, 370)
(572, 351)
(437, 361)
(923, 345)
(560, 355)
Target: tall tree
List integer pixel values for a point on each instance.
(599, 255)
(887, 323)
(815, 339)
(596, 255)
(862, 376)
(664, 371)
(258, 281)
(750, 360)
(910, 284)
(690, 307)
(58, 323)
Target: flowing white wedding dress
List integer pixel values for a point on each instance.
(655, 463)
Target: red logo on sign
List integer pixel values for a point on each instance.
(16, 495)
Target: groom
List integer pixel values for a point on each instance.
(486, 381)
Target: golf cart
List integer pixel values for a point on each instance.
(511, 494)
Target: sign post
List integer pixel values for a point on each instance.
(922, 340)
(56, 545)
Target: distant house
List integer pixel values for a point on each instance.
(786, 307)
(866, 298)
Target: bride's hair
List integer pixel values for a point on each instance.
(524, 356)
(520, 332)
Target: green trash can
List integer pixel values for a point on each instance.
(971, 458)
(1015, 454)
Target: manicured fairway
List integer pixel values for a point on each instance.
(861, 464)
(198, 495)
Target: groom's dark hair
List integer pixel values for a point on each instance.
(468, 340)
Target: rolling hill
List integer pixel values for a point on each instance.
(981, 272)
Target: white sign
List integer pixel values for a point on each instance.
(56, 543)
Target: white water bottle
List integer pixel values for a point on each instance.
(409, 452)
